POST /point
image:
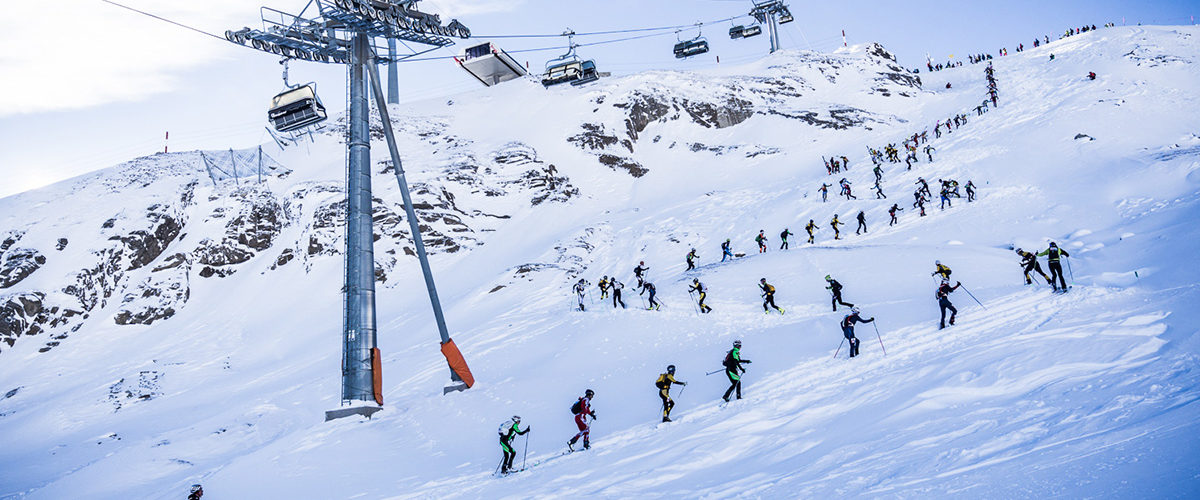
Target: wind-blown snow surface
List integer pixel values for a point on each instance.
(1092, 393)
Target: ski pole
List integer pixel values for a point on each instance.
(973, 297)
(526, 454)
(879, 337)
(839, 349)
(694, 306)
(1069, 270)
(497, 471)
(712, 372)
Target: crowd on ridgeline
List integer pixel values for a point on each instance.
(981, 57)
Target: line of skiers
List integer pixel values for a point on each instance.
(977, 58)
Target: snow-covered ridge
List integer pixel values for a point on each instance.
(1091, 393)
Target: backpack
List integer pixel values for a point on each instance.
(770, 288)
(577, 407)
(661, 383)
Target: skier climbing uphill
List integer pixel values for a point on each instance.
(616, 292)
(691, 259)
(943, 296)
(649, 287)
(580, 289)
(664, 383)
(1029, 262)
(726, 251)
(733, 369)
(509, 430)
(835, 288)
(1053, 254)
(699, 287)
(639, 270)
(837, 235)
(768, 294)
(761, 239)
(812, 226)
(582, 410)
(848, 328)
(944, 271)
(783, 236)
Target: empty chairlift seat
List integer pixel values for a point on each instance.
(296, 108)
(752, 30)
(691, 48)
(489, 64)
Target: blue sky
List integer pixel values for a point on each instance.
(107, 93)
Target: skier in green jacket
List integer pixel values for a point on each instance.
(1052, 255)
(509, 430)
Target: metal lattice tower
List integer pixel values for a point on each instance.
(349, 32)
(772, 13)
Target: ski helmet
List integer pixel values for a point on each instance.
(1053, 244)
(195, 488)
(937, 262)
(828, 278)
(763, 280)
(854, 310)
(589, 393)
(671, 369)
(737, 343)
(642, 262)
(945, 281)
(516, 418)
(1018, 250)
(695, 280)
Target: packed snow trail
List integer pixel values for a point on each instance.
(1091, 393)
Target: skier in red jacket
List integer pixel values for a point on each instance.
(582, 410)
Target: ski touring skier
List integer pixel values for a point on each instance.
(892, 212)
(604, 284)
(835, 288)
(761, 239)
(664, 383)
(691, 259)
(783, 236)
(837, 235)
(580, 289)
(929, 149)
(638, 271)
(734, 370)
(943, 296)
(845, 163)
(879, 191)
(862, 222)
(939, 269)
(654, 304)
(702, 290)
(812, 226)
(970, 191)
(616, 287)
(582, 410)
(848, 328)
(1052, 255)
(726, 251)
(824, 192)
(945, 195)
(768, 296)
(924, 189)
(509, 431)
(1029, 263)
(878, 173)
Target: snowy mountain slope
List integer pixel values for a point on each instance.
(1086, 394)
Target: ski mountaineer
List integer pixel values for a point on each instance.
(691, 259)
(616, 290)
(654, 305)
(929, 151)
(603, 287)
(862, 222)
(733, 369)
(1052, 255)
(837, 235)
(848, 328)
(812, 226)
(509, 430)
(195, 492)
(824, 192)
(879, 191)
(783, 236)
(878, 173)
(942, 270)
(924, 186)
(943, 296)
(638, 271)
(761, 239)
(892, 212)
(582, 410)
(836, 289)
(970, 191)
(580, 289)
(726, 251)
(768, 295)
(699, 287)
(1029, 262)
(664, 383)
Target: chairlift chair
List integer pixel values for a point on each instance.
(736, 32)
(785, 16)
(752, 30)
(296, 108)
(489, 64)
(587, 73)
(691, 48)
